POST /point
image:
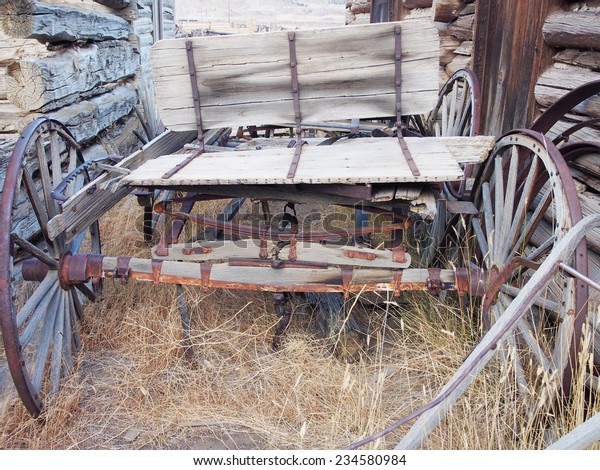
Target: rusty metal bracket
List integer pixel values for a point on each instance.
(189, 47)
(197, 250)
(397, 275)
(434, 281)
(205, 269)
(360, 255)
(399, 254)
(398, 83)
(296, 97)
(156, 268)
(347, 273)
(123, 270)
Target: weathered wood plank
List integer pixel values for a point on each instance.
(437, 159)
(86, 206)
(447, 10)
(558, 80)
(508, 57)
(576, 29)
(313, 252)
(463, 27)
(586, 59)
(50, 83)
(52, 23)
(580, 438)
(343, 73)
(14, 49)
(87, 119)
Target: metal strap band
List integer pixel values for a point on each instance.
(398, 61)
(296, 97)
(197, 109)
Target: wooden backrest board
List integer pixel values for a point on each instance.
(343, 73)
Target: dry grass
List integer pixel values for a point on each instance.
(132, 389)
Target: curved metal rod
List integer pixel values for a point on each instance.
(565, 104)
(483, 352)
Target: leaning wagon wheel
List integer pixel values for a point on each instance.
(39, 318)
(527, 202)
(457, 113)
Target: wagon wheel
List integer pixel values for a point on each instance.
(527, 202)
(39, 318)
(457, 113)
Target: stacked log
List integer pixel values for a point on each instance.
(576, 37)
(359, 11)
(77, 62)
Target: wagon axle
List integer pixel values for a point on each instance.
(78, 269)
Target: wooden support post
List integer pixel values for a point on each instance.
(509, 54)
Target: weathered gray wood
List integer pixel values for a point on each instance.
(87, 119)
(586, 134)
(483, 352)
(557, 81)
(54, 82)
(459, 62)
(447, 10)
(84, 207)
(580, 438)
(412, 4)
(437, 159)
(576, 29)
(116, 4)
(590, 164)
(586, 59)
(462, 28)
(343, 73)
(586, 179)
(448, 46)
(14, 49)
(466, 48)
(52, 23)
(13, 119)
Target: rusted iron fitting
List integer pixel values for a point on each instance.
(360, 255)
(470, 281)
(197, 250)
(77, 269)
(34, 270)
(434, 281)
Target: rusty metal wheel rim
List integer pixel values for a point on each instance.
(527, 165)
(39, 325)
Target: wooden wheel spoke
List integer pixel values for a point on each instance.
(481, 240)
(450, 129)
(532, 222)
(498, 208)
(38, 314)
(34, 251)
(43, 291)
(507, 215)
(47, 186)
(57, 344)
(68, 335)
(38, 206)
(43, 347)
(75, 316)
(524, 203)
(488, 214)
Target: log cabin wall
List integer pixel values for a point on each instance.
(574, 39)
(82, 62)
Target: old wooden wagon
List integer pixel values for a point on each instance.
(500, 205)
